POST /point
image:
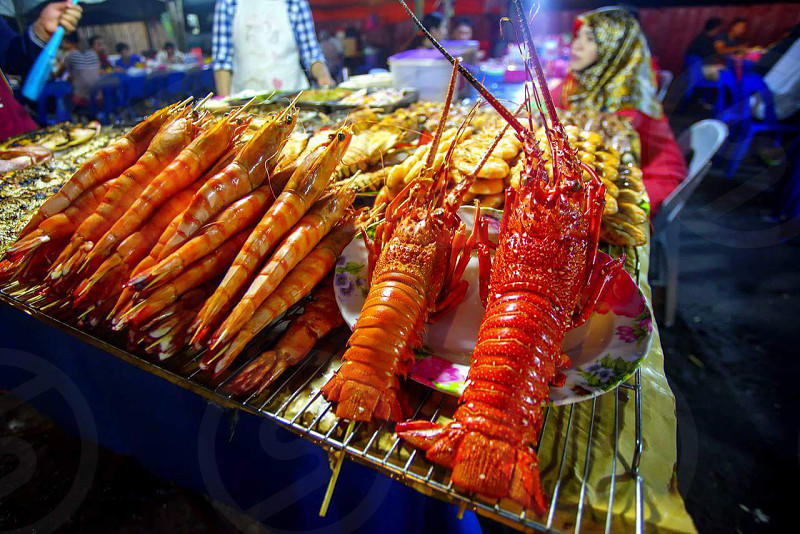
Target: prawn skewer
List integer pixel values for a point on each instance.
(253, 164)
(52, 232)
(127, 295)
(201, 272)
(167, 333)
(297, 244)
(319, 317)
(167, 143)
(184, 169)
(295, 287)
(108, 278)
(105, 164)
(304, 187)
(239, 215)
(124, 301)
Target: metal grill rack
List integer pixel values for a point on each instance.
(295, 402)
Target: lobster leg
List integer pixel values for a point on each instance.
(599, 279)
(484, 259)
(455, 288)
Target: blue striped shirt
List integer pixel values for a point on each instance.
(300, 18)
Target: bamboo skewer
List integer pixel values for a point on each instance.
(337, 467)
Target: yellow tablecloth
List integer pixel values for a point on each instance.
(663, 507)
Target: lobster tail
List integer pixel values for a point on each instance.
(359, 400)
(485, 465)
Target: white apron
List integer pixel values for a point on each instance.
(265, 52)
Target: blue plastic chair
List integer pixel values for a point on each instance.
(738, 115)
(695, 78)
(54, 96)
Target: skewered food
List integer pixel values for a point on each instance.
(105, 164)
(320, 316)
(545, 278)
(416, 261)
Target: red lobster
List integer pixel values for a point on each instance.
(545, 279)
(420, 233)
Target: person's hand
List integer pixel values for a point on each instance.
(326, 81)
(320, 73)
(54, 15)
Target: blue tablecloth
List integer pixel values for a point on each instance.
(234, 457)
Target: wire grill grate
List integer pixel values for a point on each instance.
(295, 402)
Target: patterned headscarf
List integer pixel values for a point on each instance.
(623, 76)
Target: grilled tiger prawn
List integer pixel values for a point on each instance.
(545, 279)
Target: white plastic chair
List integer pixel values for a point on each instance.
(665, 78)
(702, 140)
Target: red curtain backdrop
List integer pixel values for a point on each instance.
(669, 29)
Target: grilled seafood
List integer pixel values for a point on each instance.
(304, 187)
(319, 317)
(104, 164)
(297, 285)
(419, 234)
(545, 278)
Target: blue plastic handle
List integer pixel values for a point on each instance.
(40, 72)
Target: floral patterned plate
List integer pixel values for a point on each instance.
(605, 351)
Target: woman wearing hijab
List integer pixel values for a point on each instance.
(611, 71)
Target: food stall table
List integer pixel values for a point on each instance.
(191, 432)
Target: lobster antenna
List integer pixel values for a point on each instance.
(501, 109)
(494, 144)
(534, 60)
(437, 137)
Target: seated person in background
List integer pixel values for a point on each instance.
(434, 23)
(126, 58)
(704, 47)
(83, 67)
(610, 70)
(149, 59)
(462, 29)
(97, 44)
(732, 42)
(170, 55)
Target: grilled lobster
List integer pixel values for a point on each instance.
(420, 233)
(545, 279)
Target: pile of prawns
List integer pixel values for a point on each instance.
(182, 234)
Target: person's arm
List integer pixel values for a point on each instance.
(222, 79)
(320, 72)
(19, 52)
(725, 50)
(222, 46)
(305, 35)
